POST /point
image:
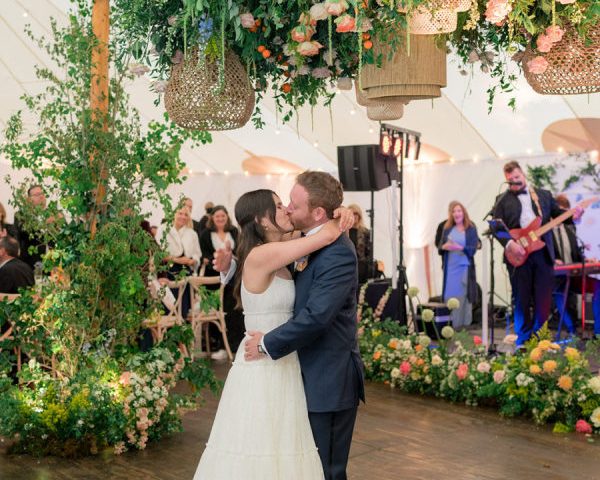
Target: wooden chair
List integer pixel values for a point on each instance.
(172, 304)
(201, 320)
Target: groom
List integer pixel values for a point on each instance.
(323, 330)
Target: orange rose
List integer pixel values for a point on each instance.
(549, 366)
(309, 49)
(565, 382)
(377, 355)
(418, 348)
(393, 344)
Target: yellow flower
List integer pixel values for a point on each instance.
(544, 344)
(572, 353)
(550, 366)
(427, 315)
(565, 382)
(536, 354)
(535, 369)
(376, 333)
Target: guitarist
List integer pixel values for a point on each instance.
(532, 282)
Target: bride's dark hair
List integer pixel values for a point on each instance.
(249, 209)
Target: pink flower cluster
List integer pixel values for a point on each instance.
(583, 427)
(462, 371)
(546, 40)
(537, 65)
(497, 10)
(405, 368)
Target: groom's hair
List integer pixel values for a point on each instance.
(323, 190)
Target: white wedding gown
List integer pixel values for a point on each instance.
(261, 430)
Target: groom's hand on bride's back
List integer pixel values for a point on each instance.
(251, 348)
(222, 258)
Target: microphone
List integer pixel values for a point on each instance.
(512, 182)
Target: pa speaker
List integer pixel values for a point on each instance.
(362, 168)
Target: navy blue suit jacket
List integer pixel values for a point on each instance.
(324, 330)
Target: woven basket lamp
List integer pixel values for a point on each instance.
(463, 6)
(390, 108)
(573, 66)
(193, 99)
(438, 17)
(417, 76)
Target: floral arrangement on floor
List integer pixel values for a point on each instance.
(88, 381)
(304, 49)
(545, 382)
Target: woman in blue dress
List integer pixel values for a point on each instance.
(458, 245)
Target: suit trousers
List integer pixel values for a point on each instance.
(333, 435)
(532, 285)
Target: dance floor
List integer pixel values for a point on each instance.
(397, 437)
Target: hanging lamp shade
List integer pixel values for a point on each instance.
(390, 108)
(433, 21)
(463, 5)
(573, 65)
(194, 100)
(415, 76)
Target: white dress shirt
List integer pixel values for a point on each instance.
(182, 242)
(527, 213)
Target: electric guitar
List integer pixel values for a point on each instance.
(530, 236)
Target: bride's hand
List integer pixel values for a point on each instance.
(346, 217)
(332, 229)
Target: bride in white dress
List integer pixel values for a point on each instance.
(261, 430)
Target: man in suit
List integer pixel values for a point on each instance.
(31, 244)
(533, 281)
(323, 330)
(14, 273)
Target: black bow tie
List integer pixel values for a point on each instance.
(523, 191)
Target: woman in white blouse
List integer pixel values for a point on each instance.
(182, 242)
(183, 247)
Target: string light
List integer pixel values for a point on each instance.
(560, 149)
(25, 14)
(529, 151)
(352, 112)
(370, 129)
(225, 172)
(246, 173)
(277, 131)
(207, 173)
(316, 144)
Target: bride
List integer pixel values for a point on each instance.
(261, 430)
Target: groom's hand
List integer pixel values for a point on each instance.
(251, 351)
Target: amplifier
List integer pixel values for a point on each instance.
(441, 317)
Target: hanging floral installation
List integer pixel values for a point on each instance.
(303, 49)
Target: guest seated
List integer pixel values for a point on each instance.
(183, 248)
(14, 273)
(6, 228)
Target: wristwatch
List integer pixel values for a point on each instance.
(261, 349)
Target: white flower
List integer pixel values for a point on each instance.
(318, 12)
(424, 341)
(594, 384)
(160, 86)
(447, 332)
(138, 69)
(406, 345)
(453, 303)
(523, 380)
(595, 417)
(395, 373)
(427, 315)
(436, 360)
(412, 292)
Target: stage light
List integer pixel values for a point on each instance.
(397, 145)
(385, 143)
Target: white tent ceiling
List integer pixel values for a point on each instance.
(457, 123)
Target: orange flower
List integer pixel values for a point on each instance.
(418, 348)
(420, 361)
(535, 369)
(536, 354)
(550, 366)
(572, 353)
(565, 382)
(393, 344)
(377, 355)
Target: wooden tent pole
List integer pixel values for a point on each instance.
(99, 92)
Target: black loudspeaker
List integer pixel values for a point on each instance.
(362, 168)
(376, 290)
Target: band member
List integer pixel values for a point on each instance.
(566, 251)
(533, 281)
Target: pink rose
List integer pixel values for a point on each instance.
(172, 20)
(537, 65)
(405, 368)
(345, 23)
(247, 20)
(302, 34)
(477, 340)
(125, 378)
(336, 7)
(583, 427)
(544, 44)
(309, 49)
(497, 10)
(318, 12)
(555, 33)
(462, 371)
(499, 376)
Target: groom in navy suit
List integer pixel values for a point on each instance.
(324, 329)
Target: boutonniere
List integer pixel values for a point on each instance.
(301, 265)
